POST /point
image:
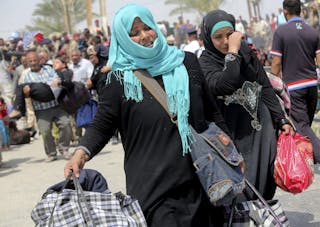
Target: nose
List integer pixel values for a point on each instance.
(226, 39)
(143, 35)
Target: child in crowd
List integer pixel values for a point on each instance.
(5, 141)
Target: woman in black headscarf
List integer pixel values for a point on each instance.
(246, 98)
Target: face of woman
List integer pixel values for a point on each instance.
(142, 34)
(220, 39)
(58, 65)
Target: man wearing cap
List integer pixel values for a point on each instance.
(193, 44)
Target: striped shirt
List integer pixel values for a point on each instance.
(46, 75)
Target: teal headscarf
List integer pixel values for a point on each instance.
(125, 55)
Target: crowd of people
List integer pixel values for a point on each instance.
(205, 71)
(35, 75)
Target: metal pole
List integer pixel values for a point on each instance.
(89, 15)
(103, 16)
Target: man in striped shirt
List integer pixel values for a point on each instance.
(295, 47)
(49, 112)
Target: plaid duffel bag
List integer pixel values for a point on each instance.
(87, 208)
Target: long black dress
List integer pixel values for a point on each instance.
(257, 147)
(157, 174)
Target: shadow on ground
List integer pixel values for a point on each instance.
(13, 163)
(11, 171)
(299, 219)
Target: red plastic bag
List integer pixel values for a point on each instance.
(294, 166)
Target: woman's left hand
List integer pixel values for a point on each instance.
(106, 69)
(287, 128)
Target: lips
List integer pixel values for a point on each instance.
(148, 45)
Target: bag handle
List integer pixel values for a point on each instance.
(156, 90)
(263, 201)
(83, 204)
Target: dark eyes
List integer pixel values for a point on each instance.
(229, 33)
(146, 28)
(135, 32)
(217, 36)
(220, 36)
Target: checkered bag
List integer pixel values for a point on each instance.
(253, 213)
(84, 208)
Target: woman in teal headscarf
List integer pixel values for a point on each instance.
(158, 167)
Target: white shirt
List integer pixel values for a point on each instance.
(6, 83)
(192, 47)
(240, 28)
(82, 71)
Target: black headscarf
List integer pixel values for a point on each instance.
(224, 80)
(212, 18)
(208, 22)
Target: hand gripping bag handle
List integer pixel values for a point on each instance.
(83, 205)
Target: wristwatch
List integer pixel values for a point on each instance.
(230, 57)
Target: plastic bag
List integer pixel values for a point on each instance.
(294, 166)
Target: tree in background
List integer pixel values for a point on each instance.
(58, 15)
(202, 7)
(255, 4)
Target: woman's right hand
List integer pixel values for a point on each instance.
(234, 42)
(76, 163)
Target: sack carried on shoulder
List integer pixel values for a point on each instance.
(87, 208)
(217, 161)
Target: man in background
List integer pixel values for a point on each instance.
(49, 112)
(193, 44)
(295, 47)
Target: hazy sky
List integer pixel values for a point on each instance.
(15, 14)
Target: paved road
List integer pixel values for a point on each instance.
(25, 176)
